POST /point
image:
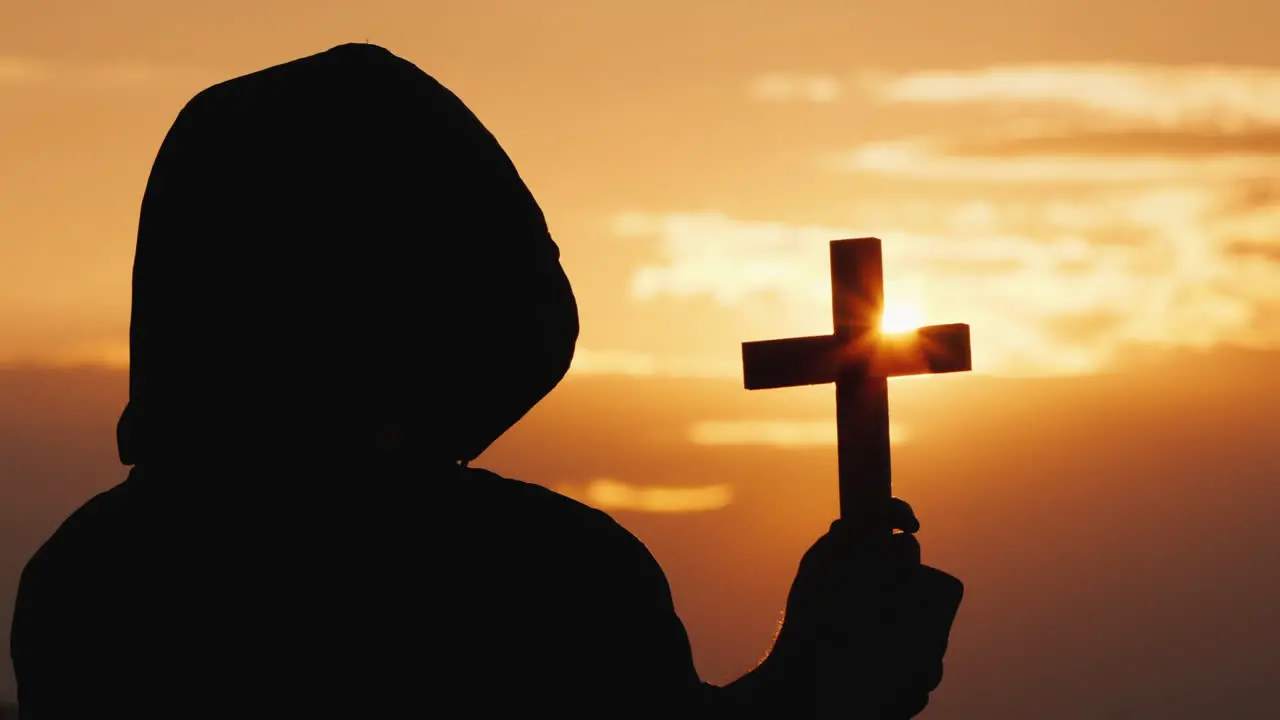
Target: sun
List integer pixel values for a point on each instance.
(899, 319)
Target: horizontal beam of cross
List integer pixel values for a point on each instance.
(819, 359)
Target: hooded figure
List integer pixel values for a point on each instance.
(331, 247)
(342, 293)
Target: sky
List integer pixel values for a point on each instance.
(1093, 186)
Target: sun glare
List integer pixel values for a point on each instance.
(900, 319)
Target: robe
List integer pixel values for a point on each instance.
(454, 593)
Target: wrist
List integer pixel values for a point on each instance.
(759, 692)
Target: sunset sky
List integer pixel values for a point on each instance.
(1093, 186)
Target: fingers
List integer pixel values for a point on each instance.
(846, 548)
(899, 515)
(902, 517)
(851, 556)
(908, 707)
(913, 697)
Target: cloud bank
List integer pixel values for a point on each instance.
(1091, 209)
(793, 434)
(1224, 96)
(17, 72)
(611, 494)
(587, 361)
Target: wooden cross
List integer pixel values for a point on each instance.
(858, 358)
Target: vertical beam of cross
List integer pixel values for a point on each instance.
(859, 360)
(862, 399)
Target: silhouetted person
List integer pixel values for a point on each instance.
(342, 293)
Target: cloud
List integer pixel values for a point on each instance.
(1064, 160)
(110, 355)
(22, 71)
(104, 75)
(1269, 251)
(1056, 285)
(793, 434)
(634, 364)
(1223, 96)
(770, 256)
(611, 494)
(1135, 142)
(1124, 123)
(1220, 96)
(786, 88)
(1081, 209)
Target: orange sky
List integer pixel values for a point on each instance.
(1082, 182)
(1068, 178)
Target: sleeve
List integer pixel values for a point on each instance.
(656, 673)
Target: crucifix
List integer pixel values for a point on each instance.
(859, 359)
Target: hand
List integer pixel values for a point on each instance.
(866, 626)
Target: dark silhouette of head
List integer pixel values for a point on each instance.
(334, 254)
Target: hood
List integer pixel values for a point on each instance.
(328, 248)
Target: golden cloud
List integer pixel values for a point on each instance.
(777, 433)
(1220, 95)
(587, 361)
(1101, 209)
(1059, 160)
(106, 75)
(1190, 142)
(1049, 285)
(111, 355)
(22, 71)
(783, 87)
(611, 494)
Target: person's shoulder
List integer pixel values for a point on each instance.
(538, 501)
(542, 508)
(581, 535)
